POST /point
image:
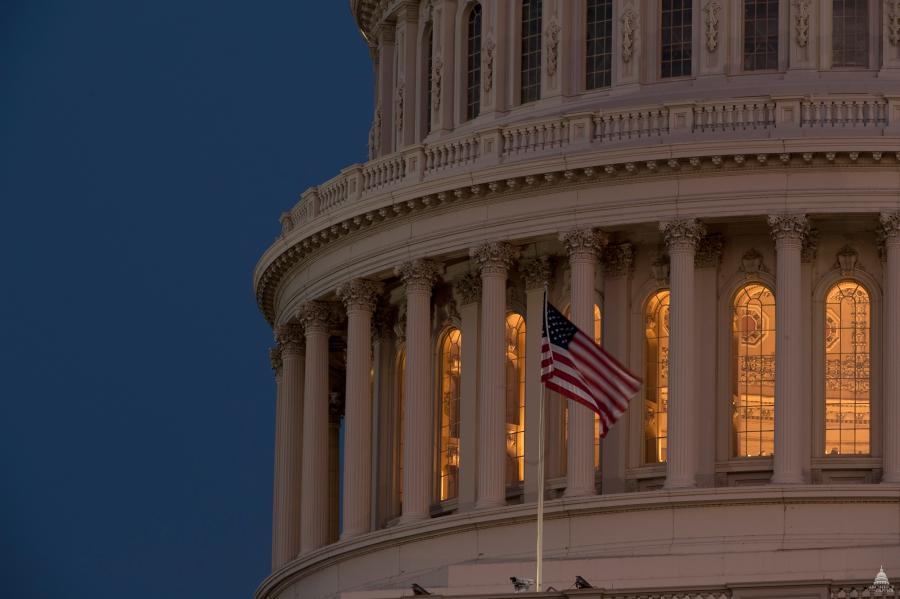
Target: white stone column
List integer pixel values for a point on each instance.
(789, 231)
(890, 222)
(287, 361)
(583, 246)
(418, 424)
(536, 273)
(618, 266)
(317, 318)
(682, 237)
(359, 297)
(468, 292)
(493, 260)
(706, 261)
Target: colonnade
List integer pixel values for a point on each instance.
(301, 496)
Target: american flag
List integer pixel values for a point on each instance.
(576, 367)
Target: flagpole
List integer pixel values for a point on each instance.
(539, 553)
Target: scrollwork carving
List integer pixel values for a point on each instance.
(552, 34)
(681, 232)
(801, 21)
(419, 274)
(489, 47)
(788, 226)
(583, 241)
(892, 20)
(752, 263)
(711, 19)
(709, 251)
(399, 103)
(536, 271)
(317, 316)
(847, 260)
(810, 246)
(629, 21)
(890, 226)
(437, 69)
(618, 260)
(468, 287)
(494, 257)
(360, 294)
(290, 338)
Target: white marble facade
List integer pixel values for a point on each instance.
(722, 211)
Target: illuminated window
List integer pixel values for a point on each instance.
(753, 371)
(515, 398)
(597, 339)
(760, 35)
(850, 33)
(429, 77)
(530, 67)
(656, 388)
(473, 64)
(676, 33)
(449, 415)
(598, 34)
(401, 372)
(847, 339)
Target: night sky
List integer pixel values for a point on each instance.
(147, 148)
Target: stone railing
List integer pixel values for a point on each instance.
(859, 591)
(584, 132)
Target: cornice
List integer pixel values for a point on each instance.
(304, 243)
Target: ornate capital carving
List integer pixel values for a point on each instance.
(360, 294)
(494, 257)
(583, 242)
(890, 226)
(536, 271)
(810, 246)
(468, 287)
(275, 358)
(290, 338)
(618, 260)
(789, 226)
(317, 316)
(682, 233)
(709, 251)
(383, 321)
(419, 274)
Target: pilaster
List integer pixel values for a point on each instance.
(706, 262)
(468, 293)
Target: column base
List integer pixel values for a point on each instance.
(412, 518)
(486, 504)
(351, 534)
(890, 479)
(674, 485)
(580, 492)
(787, 480)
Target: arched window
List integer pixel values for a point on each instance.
(753, 371)
(473, 64)
(429, 77)
(515, 398)
(401, 413)
(847, 369)
(530, 67)
(448, 456)
(598, 37)
(850, 33)
(597, 339)
(656, 368)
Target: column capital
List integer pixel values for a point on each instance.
(709, 251)
(360, 294)
(810, 246)
(275, 358)
(468, 287)
(289, 338)
(419, 274)
(890, 226)
(317, 316)
(581, 243)
(383, 320)
(536, 271)
(494, 257)
(683, 233)
(788, 226)
(618, 259)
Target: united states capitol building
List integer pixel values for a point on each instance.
(711, 188)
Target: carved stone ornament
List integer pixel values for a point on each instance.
(681, 232)
(810, 246)
(660, 270)
(801, 21)
(436, 70)
(468, 287)
(552, 34)
(419, 274)
(711, 20)
(788, 226)
(489, 47)
(287, 223)
(536, 272)
(400, 323)
(629, 33)
(398, 100)
(618, 260)
(709, 251)
(583, 241)
(275, 358)
(383, 321)
(892, 20)
(890, 226)
(752, 263)
(375, 135)
(360, 294)
(317, 316)
(494, 257)
(847, 260)
(290, 337)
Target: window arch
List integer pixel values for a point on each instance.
(530, 65)
(847, 338)
(656, 369)
(753, 371)
(473, 63)
(429, 77)
(598, 44)
(448, 448)
(515, 398)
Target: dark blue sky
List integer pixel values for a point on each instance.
(147, 148)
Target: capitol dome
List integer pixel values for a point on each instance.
(710, 189)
